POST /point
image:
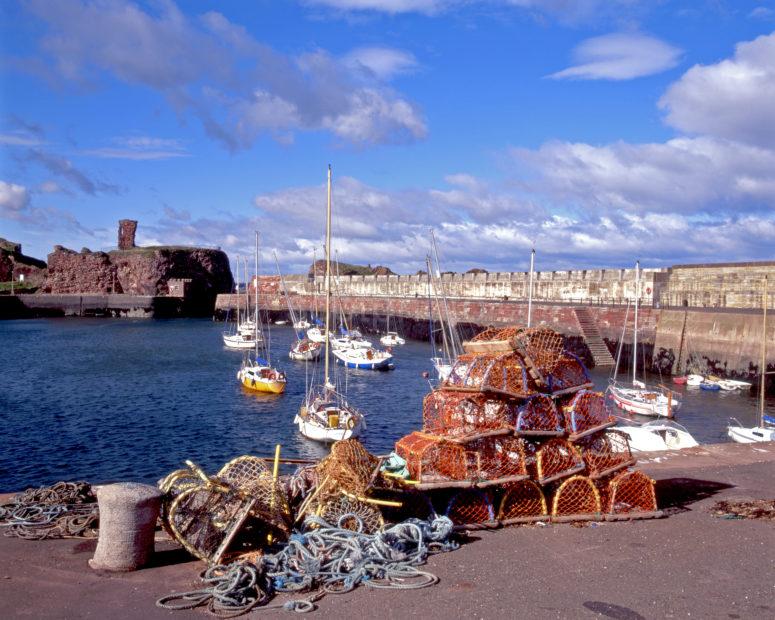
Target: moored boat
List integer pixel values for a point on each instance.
(657, 435)
(364, 359)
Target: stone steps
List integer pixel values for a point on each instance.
(593, 338)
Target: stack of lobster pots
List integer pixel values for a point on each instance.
(516, 434)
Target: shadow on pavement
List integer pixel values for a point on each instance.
(675, 494)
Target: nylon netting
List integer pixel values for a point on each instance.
(539, 415)
(490, 458)
(470, 506)
(587, 411)
(502, 372)
(252, 478)
(522, 499)
(431, 459)
(349, 467)
(605, 453)
(568, 373)
(631, 491)
(576, 496)
(555, 459)
(542, 345)
(459, 413)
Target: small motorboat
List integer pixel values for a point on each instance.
(392, 339)
(694, 380)
(680, 380)
(755, 434)
(730, 385)
(655, 436)
(281, 322)
(710, 386)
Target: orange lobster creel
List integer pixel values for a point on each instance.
(568, 375)
(471, 507)
(432, 459)
(522, 502)
(496, 460)
(587, 414)
(539, 416)
(502, 373)
(457, 414)
(556, 459)
(631, 493)
(606, 453)
(576, 497)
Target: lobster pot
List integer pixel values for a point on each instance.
(470, 507)
(460, 413)
(523, 500)
(541, 346)
(414, 505)
(568, 373)
(555, 459)
(576, 496)
(250, 476)
(351, 514)
(605, 453)
(631, 492)
(501, 372)
(432, 459)
(587, 414)
(349, 467)
(539, 416)
(495, 458)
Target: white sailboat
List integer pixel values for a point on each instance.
(765, 430)
(237, 337)
(325, 414)
(257, 374)
(656, 436)
(391, 338)
(639, 398)
(302, 349)
(450, 341)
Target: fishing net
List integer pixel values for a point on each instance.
(495, 458)
(587, 413)
(251, 477)
(568, 373)
(432, 459)
(351, 514)
(605, 453)
(539, 416)
(460, 413)
(470, 507)
(501, 372)
(349, 467)
(522, 500)
(631, 492)
(577, 495)
(556, 459)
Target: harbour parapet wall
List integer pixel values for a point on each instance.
(112, 305)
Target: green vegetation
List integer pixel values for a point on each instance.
(18, 287)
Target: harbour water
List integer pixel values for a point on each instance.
(107, 400)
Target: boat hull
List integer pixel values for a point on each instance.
(757, 434)
(657, 407)
(256, 383)
(237, 342)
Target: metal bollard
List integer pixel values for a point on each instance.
(128, 513)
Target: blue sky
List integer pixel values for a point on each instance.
(600, 131)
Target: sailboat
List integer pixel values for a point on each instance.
(450, 341)
(638, 398)
(765, 431)
(325, 414)
(391, 338)
(655, 436)
(303, 349)
(240, 337)
(257, 374)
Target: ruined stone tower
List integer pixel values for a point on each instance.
(126, 234)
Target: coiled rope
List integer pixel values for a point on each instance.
(329, 559)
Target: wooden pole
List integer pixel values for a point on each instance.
(763, 369)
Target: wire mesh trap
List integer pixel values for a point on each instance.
(349, 468)
(568, 375)
(631, 492)
(456, 414)
(576, 497)
(351, 514)
(503, 373)
(495, 460)
(470, 507)
(522, 502)
(605, 453)
(539, 416)
(431, 459)
(587, 414)
(413, 505)
(556, 459)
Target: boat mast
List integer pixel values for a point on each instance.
(255, 303)
(328, 269)
(315, 283)
(635, 328)
(763, 369)
(530, 288)
(239, 304)
(452, 330)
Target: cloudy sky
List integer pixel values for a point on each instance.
(599, 130)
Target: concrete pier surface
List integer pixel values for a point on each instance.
(690, 564)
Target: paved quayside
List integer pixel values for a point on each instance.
(689, 564)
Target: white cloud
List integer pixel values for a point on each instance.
(620, 56)
(762, 12)
(140, 148)
(14, 199)
(238, 87)
(385, 6)
(19, 139)
(733, 99)
(382, 62)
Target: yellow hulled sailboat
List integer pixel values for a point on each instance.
(257, 374)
